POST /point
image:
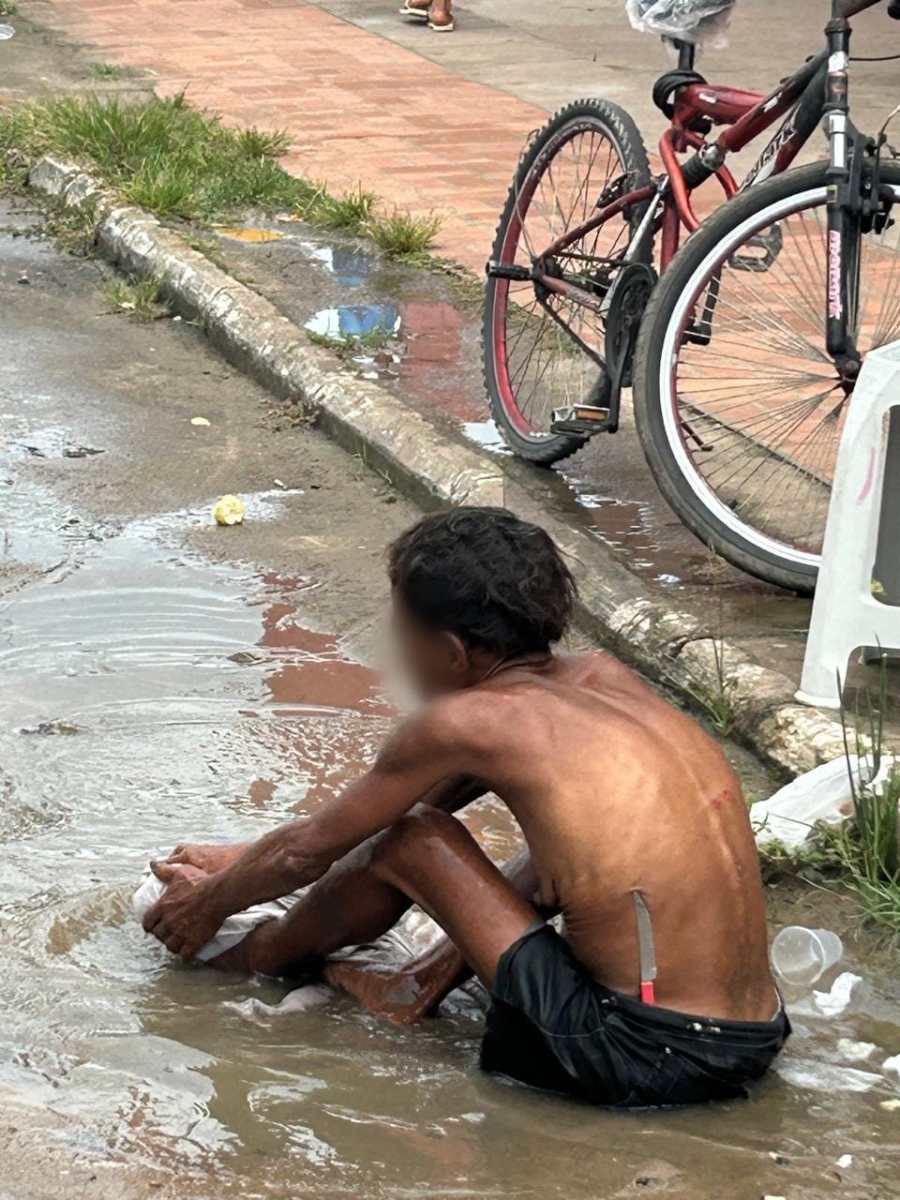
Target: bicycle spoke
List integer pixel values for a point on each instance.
(760, 405)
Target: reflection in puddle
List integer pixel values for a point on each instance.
(350, 266)
(487, 435)
(629, 525)
(349, 322)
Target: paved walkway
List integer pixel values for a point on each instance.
(431, 122)
(358, 107)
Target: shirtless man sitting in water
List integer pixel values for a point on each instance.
(660, 990)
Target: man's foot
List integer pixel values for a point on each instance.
(402, 996)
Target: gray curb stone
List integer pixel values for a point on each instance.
(434, 470)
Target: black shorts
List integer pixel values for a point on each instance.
(552, 1026)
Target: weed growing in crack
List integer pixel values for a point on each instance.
(138, 299)
(869, 845)
(403, 236)
(105, 70)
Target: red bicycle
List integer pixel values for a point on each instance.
(753, 338)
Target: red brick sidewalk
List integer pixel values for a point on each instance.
(358, 107)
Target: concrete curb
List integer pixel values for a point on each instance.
(433, 469)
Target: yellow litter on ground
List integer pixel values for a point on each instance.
(229, 510)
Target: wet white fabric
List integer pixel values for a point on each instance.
(412, 935)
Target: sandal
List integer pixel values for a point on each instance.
(418, 12)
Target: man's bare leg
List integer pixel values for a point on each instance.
(409, 992)
(427, 858)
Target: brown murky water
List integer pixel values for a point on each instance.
(150, 696)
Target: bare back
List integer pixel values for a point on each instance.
(617, 791)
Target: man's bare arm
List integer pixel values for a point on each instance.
(415, 762)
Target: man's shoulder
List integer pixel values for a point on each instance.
(463, 718)
(458, 725)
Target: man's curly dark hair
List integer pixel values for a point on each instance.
(497, 582)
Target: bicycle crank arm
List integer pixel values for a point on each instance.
(577, 295)
(550, 283)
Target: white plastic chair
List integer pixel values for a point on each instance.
(854, 606)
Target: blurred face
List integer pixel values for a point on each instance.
(434, 663)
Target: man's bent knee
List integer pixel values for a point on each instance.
(421, 829)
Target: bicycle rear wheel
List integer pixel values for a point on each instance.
(738, 405)
(541, 350)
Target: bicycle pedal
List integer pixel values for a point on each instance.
(581, 419)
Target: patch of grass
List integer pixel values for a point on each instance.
(181, 163)
(159, 153)
(260, 143)
(161, 191)
(869, 846)
(819, 857)
(8, 8)
(350, 213)
(404, 236)
(138, 299)
(13, 174)
(73, 228)
(105, 70)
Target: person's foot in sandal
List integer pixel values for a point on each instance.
(440, 16)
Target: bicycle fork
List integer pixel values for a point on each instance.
(842, 249)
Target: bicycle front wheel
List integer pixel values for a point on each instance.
(738, 405)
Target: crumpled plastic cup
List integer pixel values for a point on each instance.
(801, 956)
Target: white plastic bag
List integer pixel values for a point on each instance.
(700, 21)
(823, 794)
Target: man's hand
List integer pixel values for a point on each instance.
(209, 859)
(185, 918)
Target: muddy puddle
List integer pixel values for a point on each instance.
(150, 696)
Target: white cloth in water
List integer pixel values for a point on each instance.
(232, 932)
(415, 933)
